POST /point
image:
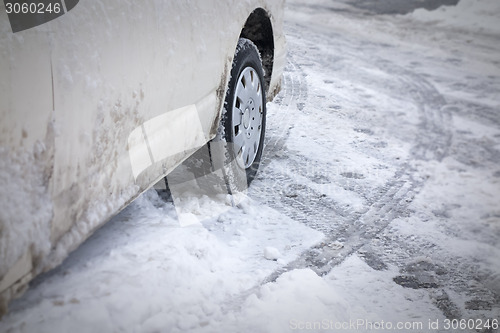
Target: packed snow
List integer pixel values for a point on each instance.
(157, 275)
(425, 253)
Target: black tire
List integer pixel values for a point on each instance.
(241, 168)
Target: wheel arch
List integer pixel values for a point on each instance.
(258, 28)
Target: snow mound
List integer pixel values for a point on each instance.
(271, 253)
(474, 15)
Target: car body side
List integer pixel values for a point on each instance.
(101, 103)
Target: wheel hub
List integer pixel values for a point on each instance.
(246, 118)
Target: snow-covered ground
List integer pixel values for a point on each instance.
(376, 208)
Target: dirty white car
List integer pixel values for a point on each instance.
(104, 99)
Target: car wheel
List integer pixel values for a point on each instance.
(243, 123)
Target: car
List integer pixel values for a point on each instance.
(100, 102)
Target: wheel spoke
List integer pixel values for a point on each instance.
(255, 83)
(250, 153)
(237, 116)
(248, 79)
(258, 105)
(239, 141)
(254, 139)
(246, 155)
(241, 92)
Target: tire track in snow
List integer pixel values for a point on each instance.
(357, 229)
(354, 229)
